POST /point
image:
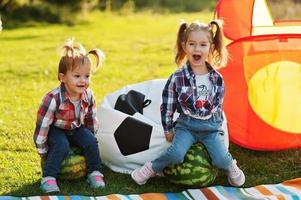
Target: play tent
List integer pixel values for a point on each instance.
(263, 76)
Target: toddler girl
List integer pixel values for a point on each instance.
(196, 91)
(67, 116)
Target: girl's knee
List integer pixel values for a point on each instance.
(177, 157)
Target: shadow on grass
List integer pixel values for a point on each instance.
(19, 38)
(25, 190)
(259, 167)
(116, 183)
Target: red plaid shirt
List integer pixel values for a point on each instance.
(57, 109)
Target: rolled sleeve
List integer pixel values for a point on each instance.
(169, 102)
(45, 118)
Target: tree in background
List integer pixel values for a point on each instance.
(0, 24)
(159, 5)
(9, 5)
(72, 11)
(67, 11)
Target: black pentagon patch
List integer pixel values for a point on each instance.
(133, 136)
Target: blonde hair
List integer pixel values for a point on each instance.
(73, 54)
(218, 56)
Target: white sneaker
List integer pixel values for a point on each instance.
(142, 174)
(236, 176)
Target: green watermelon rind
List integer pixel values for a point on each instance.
(201, 182)
(188, 172)
(72, 160)
(74, 166)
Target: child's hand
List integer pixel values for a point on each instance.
(169, 136)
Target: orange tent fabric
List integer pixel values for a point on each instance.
(263, 76)
(237, 17)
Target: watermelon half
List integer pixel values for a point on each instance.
(195, 170)
(74, 165)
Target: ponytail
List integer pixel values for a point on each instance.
(74, 55)
(180, 53)
(219, 53)
(99, 55)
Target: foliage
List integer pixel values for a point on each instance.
(16, 12)
(27, 13)
(161, 5)
(71, 12)
(46, 10)
(9, 5)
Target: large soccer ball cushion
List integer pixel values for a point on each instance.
(127, 140)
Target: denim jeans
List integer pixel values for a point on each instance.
(190, 130)
(59, 141)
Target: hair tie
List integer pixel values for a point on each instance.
(209, 27)
(72, 49)
(212, 29)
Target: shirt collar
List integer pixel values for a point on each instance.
(65, 97)
(189, 73)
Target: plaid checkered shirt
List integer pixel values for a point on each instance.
(56, 109)
(180, 94)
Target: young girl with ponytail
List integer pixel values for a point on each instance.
(196, 91)
(67, 116)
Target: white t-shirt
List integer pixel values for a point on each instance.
(76, 107)
(204, 86)
(204, 89)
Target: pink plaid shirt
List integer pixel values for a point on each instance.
(56, 109)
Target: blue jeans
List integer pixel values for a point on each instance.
(190, 130)
(59, 141)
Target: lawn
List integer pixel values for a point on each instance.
(138, 47)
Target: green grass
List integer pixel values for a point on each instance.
(138, 47)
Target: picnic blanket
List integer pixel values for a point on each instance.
(290, 189)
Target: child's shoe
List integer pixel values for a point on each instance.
(236, 176)
(48, 184)
(95, 179)
(159, 175)
(142, 174)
